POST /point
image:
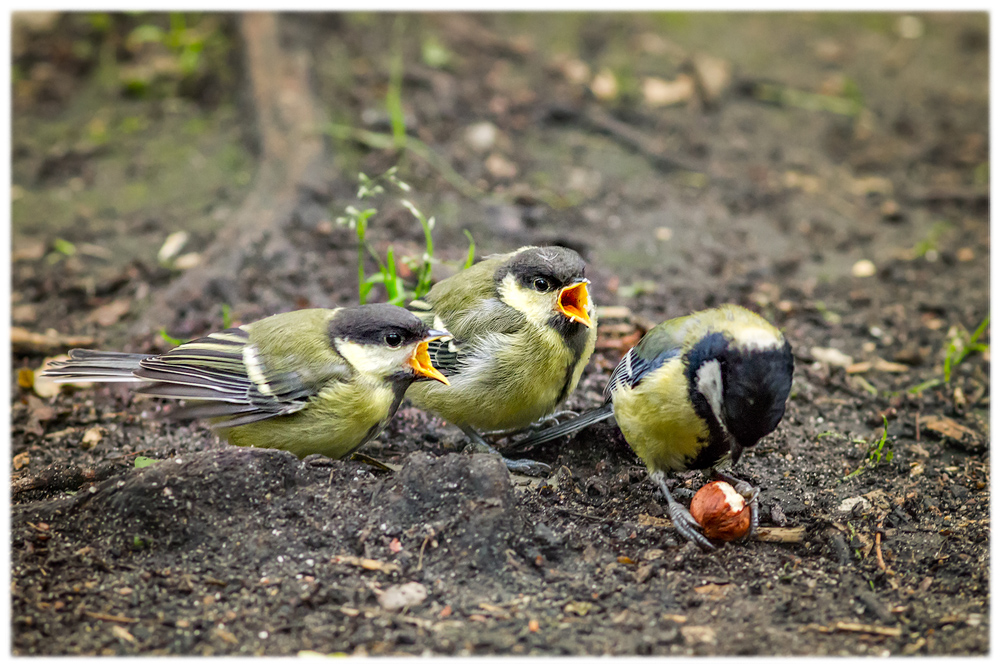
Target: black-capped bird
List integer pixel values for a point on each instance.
(312, 381)
(694, 393)
(523, 328)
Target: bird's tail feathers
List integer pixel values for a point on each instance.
(95, 366)
(567, 427)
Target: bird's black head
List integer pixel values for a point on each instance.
(547, 285)
(756, 384)
(545, 269)
(377, 324)
(739, 389)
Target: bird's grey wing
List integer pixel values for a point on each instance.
(227, 377)
(662, 343)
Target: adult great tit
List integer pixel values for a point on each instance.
(524, 327)
(694, 393)
(313, 381)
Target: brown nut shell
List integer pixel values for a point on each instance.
(722, 512)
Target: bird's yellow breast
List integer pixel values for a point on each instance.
(658, 419)
(511, 381)
(335, 422)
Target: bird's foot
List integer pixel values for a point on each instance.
(683, 522)
(750, 493)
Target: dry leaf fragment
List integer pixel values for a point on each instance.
(171, 246)
(24, 313)
(43, 386)
(952, 432)
(29, 252)
(110, 313)
(20, 460)
(698, 634)
(123, 634)
(713, 591)
(713, 74)
(605, 85)
(188, 260)
(580, 608)
(225, 635)
(658, 92)
(831, 356)
(91, 437)
(24, 341)
(25, 378)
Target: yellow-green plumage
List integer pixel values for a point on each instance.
(657, 416)
(657, 421)
(312, 381)
(341, 418)
(515, 367)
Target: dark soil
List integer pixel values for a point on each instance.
(743, 197)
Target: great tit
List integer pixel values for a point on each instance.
(694, 393)
(313, 381)
(524, 327)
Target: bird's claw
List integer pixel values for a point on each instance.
(751, 494)
(683, 522)
(527, 467)
(689, 529)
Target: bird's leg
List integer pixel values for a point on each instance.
(750, 493)
(523, 466)
(684, 523)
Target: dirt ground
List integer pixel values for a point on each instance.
(828, 171)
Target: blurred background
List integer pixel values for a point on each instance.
(690, 157)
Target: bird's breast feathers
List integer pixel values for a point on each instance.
(658, 420)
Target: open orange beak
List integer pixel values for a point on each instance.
(421, 361)
(573, 302)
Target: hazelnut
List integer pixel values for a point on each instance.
(722, 512)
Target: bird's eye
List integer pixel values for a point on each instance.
(540, 284)
(393, 339)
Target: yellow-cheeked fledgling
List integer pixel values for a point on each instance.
(314, 381)
(523, 328)
(694, 393)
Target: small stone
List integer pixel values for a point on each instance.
(848, 504)
(403, 595)
(481, 137)
(863, 268)
(500, 167)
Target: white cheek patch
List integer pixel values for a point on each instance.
(371, 359)
(709, 379)
(536, 307)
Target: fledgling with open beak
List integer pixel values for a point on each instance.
(314, 381)
(695, 393)
(523, 327)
